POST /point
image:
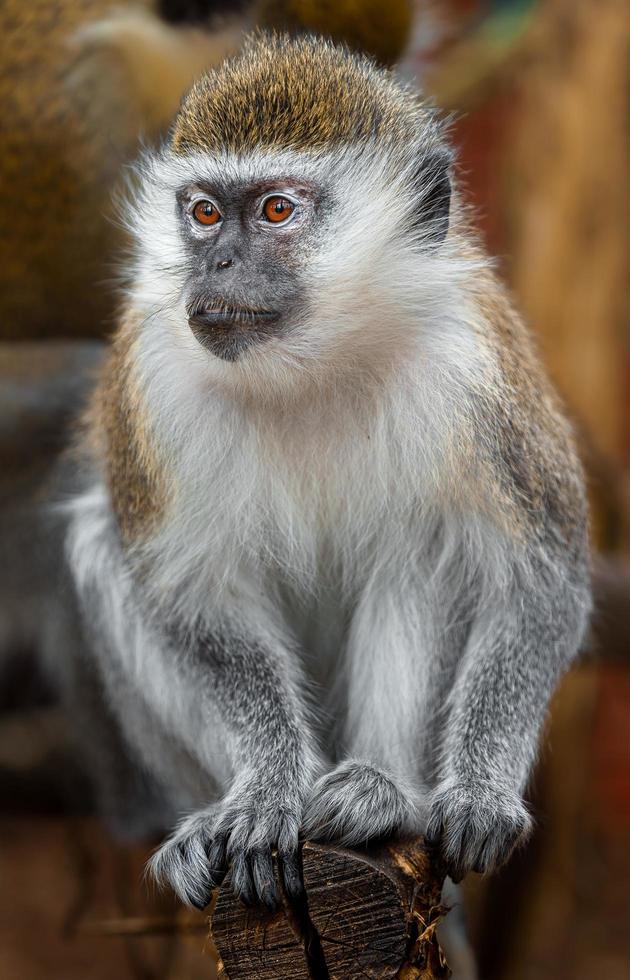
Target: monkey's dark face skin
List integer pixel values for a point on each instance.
(245, 245)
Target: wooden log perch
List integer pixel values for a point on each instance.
(366, 914)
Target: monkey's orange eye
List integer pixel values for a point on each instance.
(277, 209)
(206, 213)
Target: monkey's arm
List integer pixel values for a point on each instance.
(246, 684)
(224, 711)
(525, 632)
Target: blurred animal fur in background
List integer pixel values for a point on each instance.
(83, 83)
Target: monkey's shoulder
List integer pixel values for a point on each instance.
(527, 436)
(117, 437)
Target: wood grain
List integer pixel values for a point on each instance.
(366, 914)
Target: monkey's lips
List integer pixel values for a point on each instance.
(228, 331)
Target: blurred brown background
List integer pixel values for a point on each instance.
(540, 96)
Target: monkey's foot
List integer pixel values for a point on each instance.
(243, 831)
(476, 825)
(356, 803)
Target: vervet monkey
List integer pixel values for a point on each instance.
(328, 530)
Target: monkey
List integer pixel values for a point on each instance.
(325, 519)
(75, 112)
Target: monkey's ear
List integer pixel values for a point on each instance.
(433, 187)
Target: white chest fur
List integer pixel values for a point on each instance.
(306, 503)
(308, 494)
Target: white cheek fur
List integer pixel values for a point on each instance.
(371, 288)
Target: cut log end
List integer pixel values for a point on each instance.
(370, 913)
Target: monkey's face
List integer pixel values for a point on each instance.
(246, 242)
(295, 227)
(279, 267)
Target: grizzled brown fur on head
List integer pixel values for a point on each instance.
(302, 94)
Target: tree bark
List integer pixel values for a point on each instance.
(365, 914)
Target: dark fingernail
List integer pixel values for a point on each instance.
(263, 876)
(217, 863)
(242, 883)
(292, 878)
(269, 896)
(246, 894)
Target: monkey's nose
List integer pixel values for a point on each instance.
(225, 263)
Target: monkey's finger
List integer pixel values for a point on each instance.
(195, 886)
(450, 841)
(460, 858)
(242, 881)
(454, 857)
(199, 902)
(434, 834)
(496, 849)
(264, 879)
(291, 871)
(217, 859)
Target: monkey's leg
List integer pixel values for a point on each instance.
(247, 684)
(520, 642)
(372, 792)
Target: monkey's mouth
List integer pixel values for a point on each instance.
(226, 331)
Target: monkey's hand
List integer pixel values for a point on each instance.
(476, 824)
(358, 802)
(258, 816)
